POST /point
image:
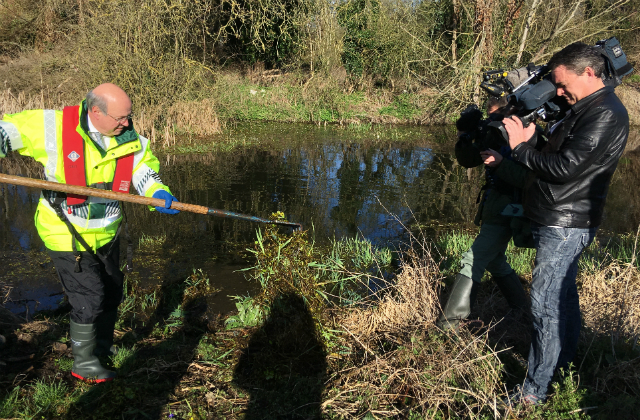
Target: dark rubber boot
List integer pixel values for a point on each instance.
(513, 292)
(105, 325)
(462, 298)
(86, 365)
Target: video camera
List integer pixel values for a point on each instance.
(531, 91)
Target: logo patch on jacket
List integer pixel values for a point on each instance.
(73, 156)
(124, 186)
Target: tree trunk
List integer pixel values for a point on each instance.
(525, 33)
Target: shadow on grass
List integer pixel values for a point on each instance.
(149, 375)
(284, 366)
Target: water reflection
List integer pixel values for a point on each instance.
(331, 181)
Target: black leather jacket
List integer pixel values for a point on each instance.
(571, 173)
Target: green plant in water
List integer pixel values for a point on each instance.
(175, 320)
(282, 267)
(150, 241)
(365, 127)
(249, 314)
(353, 269)
(149, 300)
(197, 283)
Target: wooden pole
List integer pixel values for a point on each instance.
(137, 199)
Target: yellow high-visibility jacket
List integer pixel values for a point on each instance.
(38, 134)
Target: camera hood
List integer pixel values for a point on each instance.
(532, 97)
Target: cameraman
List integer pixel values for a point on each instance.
(564, 198)
(502, 189)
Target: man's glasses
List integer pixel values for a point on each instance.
(122, 120)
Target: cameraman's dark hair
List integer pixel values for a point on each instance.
(496, 101)
(577, 57)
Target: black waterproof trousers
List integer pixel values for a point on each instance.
(97, 288)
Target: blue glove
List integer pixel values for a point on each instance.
(168, 198)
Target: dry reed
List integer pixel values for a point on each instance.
(413, 303)
(630, 97)
(400, 362)
(195, 117)
(10, 103)
(610, 300)
(450, 377)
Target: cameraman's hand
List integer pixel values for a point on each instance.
(491, 157)
(517, 132)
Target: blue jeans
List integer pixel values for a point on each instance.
(554, 303)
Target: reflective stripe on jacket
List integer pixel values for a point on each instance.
(38, 134)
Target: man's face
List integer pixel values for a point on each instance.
(115, 120)
(569, 85)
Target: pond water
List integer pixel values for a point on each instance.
(337, 182)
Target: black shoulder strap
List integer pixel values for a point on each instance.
(56, 204)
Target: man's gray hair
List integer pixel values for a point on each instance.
(94, 100)
(577, 57)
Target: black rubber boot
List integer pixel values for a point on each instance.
(513, 292)
(462, 298)
(86, 365)
(105, 325)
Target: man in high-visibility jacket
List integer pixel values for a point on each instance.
(93, 144)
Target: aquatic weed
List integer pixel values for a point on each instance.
(197, 283)
(282, 267)
(353, 270)
(249, 313)
(347, 272)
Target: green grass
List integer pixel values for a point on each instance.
(9, 405)
(211, 353)
(47, 396)
(619, 248)
(600, 253)
(64, 364)
(633, 78)
(123, 356)
(403, 107)
(41, 399)
(366, 127)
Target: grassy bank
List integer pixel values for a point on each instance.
(340, 332)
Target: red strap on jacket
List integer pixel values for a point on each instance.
(74, 165)
(73, 151)
(124, 172)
